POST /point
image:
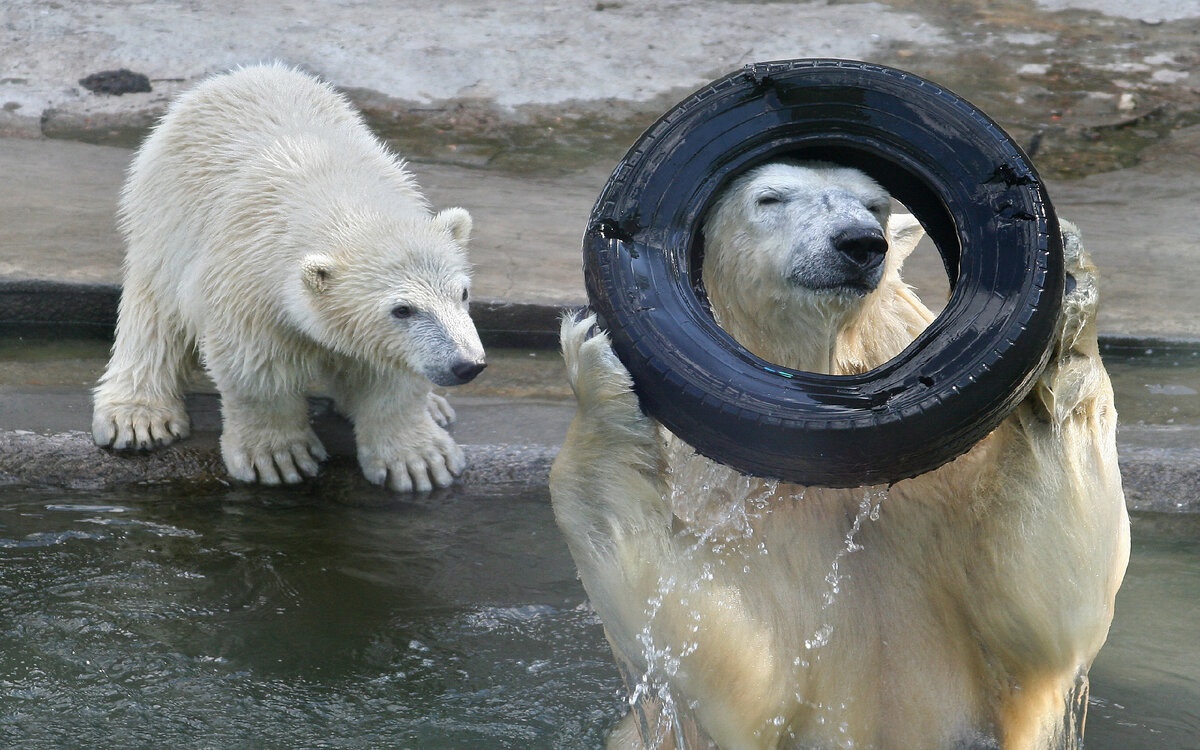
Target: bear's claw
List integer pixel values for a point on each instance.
(413, 468)
(138, 426)
(272, 465)
(440, 410)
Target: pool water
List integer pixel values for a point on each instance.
(273, 619)
(1146, 680)
(252, 618)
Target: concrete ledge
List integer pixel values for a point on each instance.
(518, 325)
(70, 308)
(71, 460)
(57, 308)
(1157, 486)
(68, 458)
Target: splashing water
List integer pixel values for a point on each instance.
(868, 510)
(721, 519)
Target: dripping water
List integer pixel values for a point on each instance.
(720, 522)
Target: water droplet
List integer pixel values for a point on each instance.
(819, 638)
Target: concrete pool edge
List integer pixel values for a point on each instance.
(44, 307)
(70, 460)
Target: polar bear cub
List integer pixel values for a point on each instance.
(959, 608)
(270, 232)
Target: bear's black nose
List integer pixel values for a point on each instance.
(466, 371)
(863, 247)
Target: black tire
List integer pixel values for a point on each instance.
(966, 181)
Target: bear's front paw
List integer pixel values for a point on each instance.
(405, 467)
(272, 460)
(595, 373)
(440, 410)
(138, 426)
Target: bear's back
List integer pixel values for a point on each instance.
(226, 124)
(236, 166)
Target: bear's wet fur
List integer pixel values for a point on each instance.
(959, 608)
(269, 232)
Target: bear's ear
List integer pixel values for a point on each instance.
(316, 271)
(457, 221)
(905, 232)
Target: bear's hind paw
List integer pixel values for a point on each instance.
(138, 426)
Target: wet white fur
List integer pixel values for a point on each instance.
(270, 232)
(962, 606)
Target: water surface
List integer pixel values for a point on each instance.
(273, 619)
(252, 618)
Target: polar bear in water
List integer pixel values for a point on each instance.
(959, 608)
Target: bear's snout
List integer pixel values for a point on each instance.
(459, 372)
(466, 370)
(864, 248)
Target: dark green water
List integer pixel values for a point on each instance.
(265, 619)
(1146, 680)
(273, 619)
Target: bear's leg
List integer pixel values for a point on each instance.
(138, 402)
(267, 438)
(400, 444)
(265, 433)
(1062, 486)
(611, 499)
(1074, 377)
(608, 476)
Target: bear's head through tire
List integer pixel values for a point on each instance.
(967, 182)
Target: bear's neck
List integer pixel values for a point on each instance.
(794, 334)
